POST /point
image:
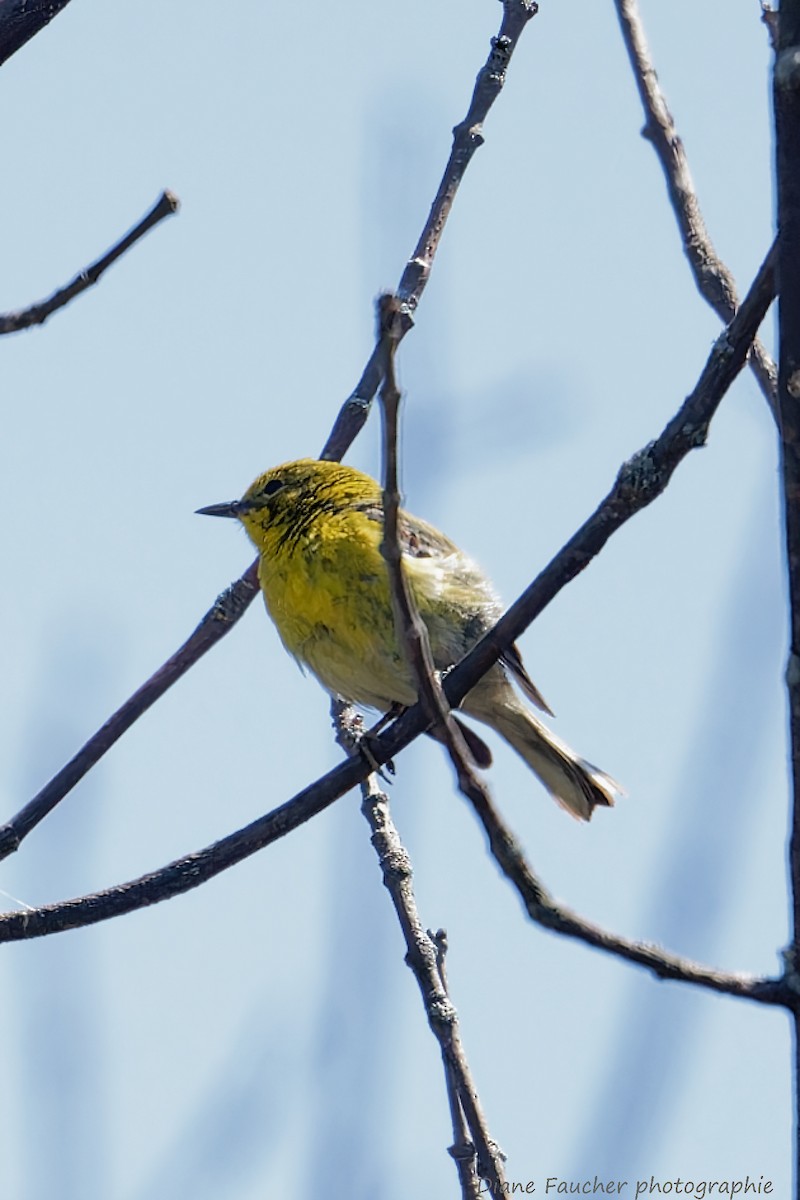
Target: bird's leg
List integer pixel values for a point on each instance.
(396, 710)
(476, 745)
(362, 738)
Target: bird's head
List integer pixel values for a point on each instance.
(284, 501)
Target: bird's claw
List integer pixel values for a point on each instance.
(379, 769)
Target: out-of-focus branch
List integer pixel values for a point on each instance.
(786, 97)
(37, 314)
(467, 137)
(714, 281)
(20, 20)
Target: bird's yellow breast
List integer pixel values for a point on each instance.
(318, 528)
(328, 594)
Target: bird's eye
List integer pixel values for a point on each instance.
(273, 486)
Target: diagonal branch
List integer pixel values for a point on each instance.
(467, 137)
(20, 20)
(714, 281)
(516, 14)
(37, 314)
(184, 874)
(545, 911)
(226, 610)
(639, 482)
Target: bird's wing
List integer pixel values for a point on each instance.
(419, 540)
(513, 660)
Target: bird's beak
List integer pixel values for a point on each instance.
(231, 508)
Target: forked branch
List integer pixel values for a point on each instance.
(231, 605)
(639, 482)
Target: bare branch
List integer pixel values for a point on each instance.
(411, 631)
(769, 16)
(467, 137)
(192, 870)
(423, 959)
(516, 14)
(543, 909)
(20, 20)
(714, 281)
(226, 610)
(462, 1149)
(786, 100)
(37, 314)
(639, 482)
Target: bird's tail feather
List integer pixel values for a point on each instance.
(574, 783)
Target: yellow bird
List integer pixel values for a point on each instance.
(318, 527)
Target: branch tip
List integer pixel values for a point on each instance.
(37, 314)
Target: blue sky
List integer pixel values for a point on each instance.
(263, 1033)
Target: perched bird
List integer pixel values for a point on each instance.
(318, 527)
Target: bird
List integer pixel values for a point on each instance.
(318, 527)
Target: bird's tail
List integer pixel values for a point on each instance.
(578, 786)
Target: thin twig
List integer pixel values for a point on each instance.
(714, 281)
(226, 610)
(639, 482)
(786, 99)
(545, 911)
(467, 137)
(462, 1150)
(516, 14)
(411, 631)
(422, 957)
(37, 314)
(397, 876)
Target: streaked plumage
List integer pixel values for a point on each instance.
(318, 528)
